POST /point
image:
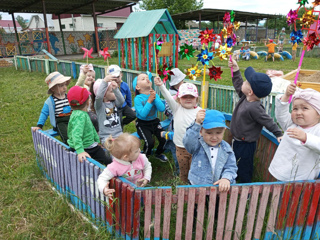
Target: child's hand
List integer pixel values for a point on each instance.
(152, 96)
(279, 139)
(108, 192)
(36, 129)
(113, 85)
(82, 156)
(224, 184)
(158, 81)
(85, 69)
(200, 116)
(290, 89)
(109, 78)
(142, 182)
(233, 64)
(162, 134)
(297, 133)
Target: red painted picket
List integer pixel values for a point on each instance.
(157, 214)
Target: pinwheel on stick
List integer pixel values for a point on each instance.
(105, 55)
(87, 53)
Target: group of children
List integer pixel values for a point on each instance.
(85, 118)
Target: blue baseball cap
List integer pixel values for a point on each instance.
(214, 119)
(260, 82)
(134, 83)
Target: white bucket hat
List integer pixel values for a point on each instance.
(55, 78)
(177, 77)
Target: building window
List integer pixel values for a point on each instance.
(63, 26)
(71, 25)
(100, 24)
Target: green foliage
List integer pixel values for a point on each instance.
(21, 21)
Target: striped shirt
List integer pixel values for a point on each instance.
(60, 104)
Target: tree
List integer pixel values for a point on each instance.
(22, 21)
(0, 16)
(173, 6)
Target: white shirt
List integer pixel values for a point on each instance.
(213, 157)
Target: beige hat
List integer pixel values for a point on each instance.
(177, 77)
(55, 78)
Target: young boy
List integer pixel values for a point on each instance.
(249, 117)
(246, 53)
(213, 161)
(270, 47)
(147, 103)
(83, 137)
(281, 38)
(56, 106)
(126, 109)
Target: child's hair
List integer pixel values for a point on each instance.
(122, 145)
(74, 106)
(93, 98)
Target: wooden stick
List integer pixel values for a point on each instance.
(203, 85)
(155, 57)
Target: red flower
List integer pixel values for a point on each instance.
(215, 72)
(206, 36)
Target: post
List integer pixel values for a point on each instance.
(218, 27)
(267, 29)
(46, 25)
(275, 27)
(257, 22)
(95, 27)
(200, 21)
(245, 30)
(62, 37)
(15, 30)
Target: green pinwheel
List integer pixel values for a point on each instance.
(186, 51)
(232, 16)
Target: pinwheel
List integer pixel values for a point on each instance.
(193, 72)
(206, 36)
(296, 36)
(310, 41)
(316, 3)
(236, 25)
(307, 19)
(230, 41)
(87, 53)
(292, 17)
(165, 72)
(302, 2)
(226, 18)
(204, 57)
(224, 32)
(186, 51)
(232, 16)
(157, 48)
(215, 72)
(105, 55)
(223, 52)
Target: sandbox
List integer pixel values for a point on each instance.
(306, 79)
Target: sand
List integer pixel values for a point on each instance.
(309, 78)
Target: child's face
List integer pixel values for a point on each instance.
(188, 101)
(143, 82)
(119, 79)
(178, 85)
(90, 77)
(133, 155)
(212, 136)
(303, 114)
(60, 90)
(109, 95)
(246, 88)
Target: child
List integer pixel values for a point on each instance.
(175, 82)
(298, 155)
(249, 116)
(281, 38)
(83, 137)
(184, 112)
(86, 79)
(128, 162)
(213, 161)
(147, 103)
(294, 50)
(246, 53)
(238, 40)
(56, 106)
(107, 99)
(270, 47)
(126, 109)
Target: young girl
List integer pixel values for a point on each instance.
(298, 155)
(128, 162)
(184, 112)
(107, 99)
(147, 103)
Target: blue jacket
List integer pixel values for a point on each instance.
(147, 111)
(201, 171)
(126, 93)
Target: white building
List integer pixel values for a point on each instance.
(36, 22)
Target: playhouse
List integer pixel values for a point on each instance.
(137, 36)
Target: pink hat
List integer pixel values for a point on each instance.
(97, 84)
(79, 94)
(89, 65)
(187, 89)
(311, 96)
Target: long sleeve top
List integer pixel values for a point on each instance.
(147, 111)
(248, 118)
(293, 159)
(182, 117)
(126, 93)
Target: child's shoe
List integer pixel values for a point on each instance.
(162, 158)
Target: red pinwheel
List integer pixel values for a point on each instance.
(226, 18)
(165, 72)
(87, 53)
(206, 36)
(310, 41)
(105, 53)
(215, 72)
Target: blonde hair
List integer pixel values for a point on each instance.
(122, 145)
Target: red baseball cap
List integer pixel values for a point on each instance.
(79, 94)
(270, 40)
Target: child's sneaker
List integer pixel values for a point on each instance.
(162, 158)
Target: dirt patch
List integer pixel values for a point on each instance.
(4, 63)
(309, 78)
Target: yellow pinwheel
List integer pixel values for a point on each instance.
(193, 72)
(223, 52)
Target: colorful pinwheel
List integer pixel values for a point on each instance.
(302, 2)
(87, 53)
(105, 53)
(206, 36)
(232, 16)
(165, 72)
(310, 41)
(186, 51)
(296, 36)
(193, 72)
(236, 25)
(215, 72)
(223, 52)
(307, 19)
(230, 41)
(226, 18)
(316, 3)
(292, 17)
(204, 57)
(224, 32)
(158, 45)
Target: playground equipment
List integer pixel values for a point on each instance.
(276, 55)
(253, 54)
(286, 54)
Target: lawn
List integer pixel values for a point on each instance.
(29, 209)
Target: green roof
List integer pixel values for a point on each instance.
(141, 24)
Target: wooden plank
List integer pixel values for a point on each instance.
(232, 207)
(179, 217)
(200, 212)
(241, 210)
(110, 209)
(163, 59)
(139, 67)
(264, 200)
(129, 54)
(144, 53)
(123, 209)
(167, 213)
(154, 56)
(126, 51)
(211, 212)
(157, 213)
(137, 56)
(221, 215)
(316, 221)
(136, 214)
(122, 54)
(147, 213)
(96, 191)
(119, 52)
(132, 54)
(129, 213)
(252, 211)
(190, 213)
(176, 52)
(83, 192)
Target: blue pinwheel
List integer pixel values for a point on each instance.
(296, 36)
(204, 57)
